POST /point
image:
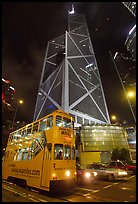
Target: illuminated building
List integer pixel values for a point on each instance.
(131, 6)
(131, 42)
(8, 92)
(98, 141)
(131, 135)
(131, 39)
(70, 78)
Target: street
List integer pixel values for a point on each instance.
(99, 191)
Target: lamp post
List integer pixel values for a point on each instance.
(19, 102)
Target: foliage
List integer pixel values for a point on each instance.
(121, 154)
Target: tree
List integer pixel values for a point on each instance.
(121, 154)
(115, 154)
(125, 155)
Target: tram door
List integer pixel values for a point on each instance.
(46, 166)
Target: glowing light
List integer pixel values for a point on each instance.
(87, 174)
(95, 173)
(122, 173)
(2, 96)
(21, 101)
(115, 55)
(130, 94)
(12, 88)
(6, 81)
(54, 176)
(89, 65)
(67, 139)
(133, 142)
(67, 173)
(113, 117)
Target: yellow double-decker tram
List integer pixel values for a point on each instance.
(42, 153)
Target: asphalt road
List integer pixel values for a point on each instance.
(98, 191)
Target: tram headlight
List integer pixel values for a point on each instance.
(67, 173)
(54, 176)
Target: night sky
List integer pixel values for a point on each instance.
(26, 29)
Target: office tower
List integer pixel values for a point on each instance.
(70, 78)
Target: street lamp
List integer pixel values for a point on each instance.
(127, 97)
(113, 117)
(19, 102)
(131, 94)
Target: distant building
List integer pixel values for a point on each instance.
(131, 42)
(131, 136)
(70, 78)
(131, 6)
(8, 92)
(96, 142)
(131, 39)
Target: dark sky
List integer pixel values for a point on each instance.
(26, 29)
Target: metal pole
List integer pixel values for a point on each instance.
(123, 88)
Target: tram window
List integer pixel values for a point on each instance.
(58, 121)
(10, 138)
(50, 121)
(66, 122)
(25, 154)
(30, 154)
(29, 130)
(35, 127)
(36, 147)
(14, 136)
(58, 151)
(43, 124)
(17, 135)
(23, 133)
(19, 156)
(42, 141)
(67, 152)
(73, 153)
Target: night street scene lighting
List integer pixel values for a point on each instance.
(78, 61)
(102, 36)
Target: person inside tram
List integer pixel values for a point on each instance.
(60, 155)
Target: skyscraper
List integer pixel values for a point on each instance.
(131, 6)
(8, 92)
(131, 39)
(70, 78)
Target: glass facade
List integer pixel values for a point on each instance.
(131, 136)
(103, 137)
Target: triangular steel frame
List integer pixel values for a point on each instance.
(70, 78)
